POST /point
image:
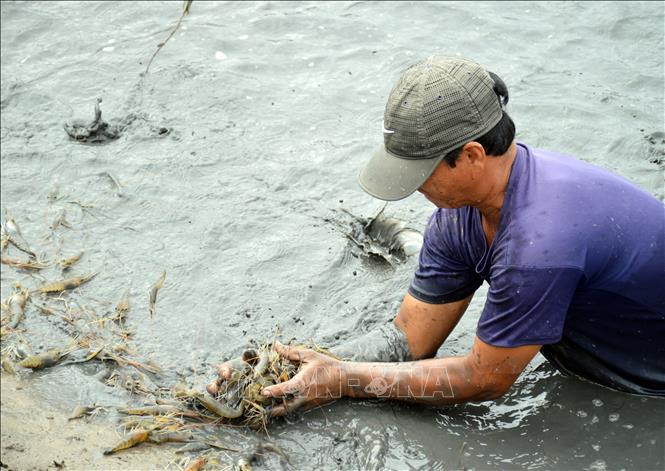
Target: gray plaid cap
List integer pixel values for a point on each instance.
(437, 105)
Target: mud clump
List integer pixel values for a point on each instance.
(380, 238)
(96, 131)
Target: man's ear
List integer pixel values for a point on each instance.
(474, 152)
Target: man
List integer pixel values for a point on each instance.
(574, 257)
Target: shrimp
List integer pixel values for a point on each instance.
(122, 308)
(13, 233)
(67, 263)
(214, 406)
(27, 265)
(91, 355)
(132, 440)
(220, 409)
(17, 302)
(44, 359)
(171, 437)
(153, 293)
(7, 365)
(45, 310)
(197, 464)
(262, 365)
(80, 411)
(64, 285)
(151, 410)
(192, 447)
(61, 220)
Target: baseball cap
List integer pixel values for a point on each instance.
(437, 105)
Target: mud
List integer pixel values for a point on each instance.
(272, 108)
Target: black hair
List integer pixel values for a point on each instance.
(497, 140)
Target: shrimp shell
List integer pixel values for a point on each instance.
(121, 309)
(153, 293)
(29, 265)
(221, 409)
(64, 285)
(197, 464)
(133, 440)
(42, 360)
(67, 263)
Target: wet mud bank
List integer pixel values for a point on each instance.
(36, 435)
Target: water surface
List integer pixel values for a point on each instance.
(272, 109)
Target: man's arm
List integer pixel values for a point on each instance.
(426, 326)
(485, 373)
(417, 332)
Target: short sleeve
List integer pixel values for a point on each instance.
(445, 272)
(527, 306)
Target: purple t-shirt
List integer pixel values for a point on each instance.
(577, 264)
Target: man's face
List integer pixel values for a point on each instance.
(449, 187)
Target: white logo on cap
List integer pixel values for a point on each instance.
(387, 131)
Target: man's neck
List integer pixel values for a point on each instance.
(492, 202)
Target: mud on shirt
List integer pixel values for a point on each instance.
(577, 265)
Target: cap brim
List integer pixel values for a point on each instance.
(390, 177)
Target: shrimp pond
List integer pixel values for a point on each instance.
(201, 207)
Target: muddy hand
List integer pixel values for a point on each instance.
(224, 371)
(319, 380)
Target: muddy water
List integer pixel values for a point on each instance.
(271, 109)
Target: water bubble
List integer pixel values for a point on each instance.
(597, 402)
(243, 37)
(582, 414)
(108, 49)
(595, 447)
(613, 417)
(598, 465)
(220, 56)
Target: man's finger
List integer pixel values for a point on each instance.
(224, 370)
(292, 386)
(228, 367)
(290, 352)
(288, 406)
(213, 387)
